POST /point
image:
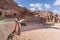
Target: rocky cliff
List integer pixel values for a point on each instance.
(44, 16)
(48, 16)
(12, 9)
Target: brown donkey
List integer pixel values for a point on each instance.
(17, 24)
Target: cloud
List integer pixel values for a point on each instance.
(40, 8)
(32, 5)
(21, 5)
(47, 6)
(36, 6)
(57, 2)
(32, 9)
(56, 11)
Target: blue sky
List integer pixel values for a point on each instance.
(51, 5)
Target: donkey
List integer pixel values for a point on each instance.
(17, 24)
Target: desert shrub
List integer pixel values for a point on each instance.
(3, 15)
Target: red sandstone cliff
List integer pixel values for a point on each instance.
(12, 9)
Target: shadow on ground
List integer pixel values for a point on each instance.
(30, 27)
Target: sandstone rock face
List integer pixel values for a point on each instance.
(11, 8)
(47, 16)
(42, 16)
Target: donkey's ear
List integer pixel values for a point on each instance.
(22, 20)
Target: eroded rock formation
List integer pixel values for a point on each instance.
(12, 9)
(48, 16)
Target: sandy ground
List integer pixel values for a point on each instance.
(33, 31)
(39, 32)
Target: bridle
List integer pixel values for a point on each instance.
(17, 24)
